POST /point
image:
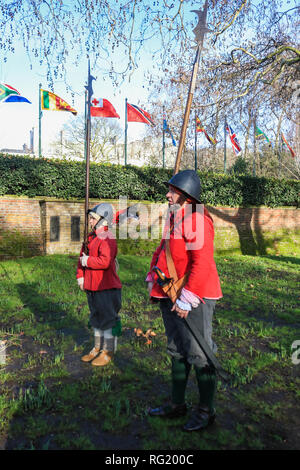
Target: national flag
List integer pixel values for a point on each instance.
(166, 128)
(200, 128)
(6, 90)
(101, 107)
(288, 146)
(15, 99)
(136, 114)
(52, 102)
(261, 135)
(234, 142)
(8, 94)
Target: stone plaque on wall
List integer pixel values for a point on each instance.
(75, 228)
(54, 228)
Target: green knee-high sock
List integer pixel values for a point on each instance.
(206, 378)
(180, 373)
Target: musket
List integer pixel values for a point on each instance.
(88, 97)
(199, 32)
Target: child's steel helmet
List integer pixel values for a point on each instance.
(103, 211)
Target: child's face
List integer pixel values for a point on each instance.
(92, 222)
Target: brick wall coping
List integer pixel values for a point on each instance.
(54, 199)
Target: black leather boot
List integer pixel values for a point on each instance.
(200, 419)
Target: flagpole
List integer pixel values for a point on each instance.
(89, 94)
(163, 149)
(85, 119)
(196, 163)
(225, 138)
(40, 121)
(254, 147)
(279, 155)
(126, 126)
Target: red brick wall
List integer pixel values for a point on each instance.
(266, 218)
(31, 217)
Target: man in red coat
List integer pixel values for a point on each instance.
(96, 274)
(190, 235)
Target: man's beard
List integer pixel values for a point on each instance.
(174, 207)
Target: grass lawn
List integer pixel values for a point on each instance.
(49, 399)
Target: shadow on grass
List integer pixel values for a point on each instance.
(47, 312)
(105, 411)
(284, 259)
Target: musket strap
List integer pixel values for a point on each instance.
(170, 262)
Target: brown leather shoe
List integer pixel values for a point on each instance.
(91, 355)
(104, 358)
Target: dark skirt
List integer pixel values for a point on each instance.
(104, 308)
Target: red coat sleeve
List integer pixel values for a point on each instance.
(156, 254)
(80, 269)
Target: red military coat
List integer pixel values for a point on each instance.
(100, 273)
(192, 250)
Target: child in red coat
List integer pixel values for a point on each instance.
(97, 275)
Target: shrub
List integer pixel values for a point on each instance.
(28, 176)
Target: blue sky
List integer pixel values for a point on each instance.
(18, 119)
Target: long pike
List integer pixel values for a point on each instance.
(199, 32)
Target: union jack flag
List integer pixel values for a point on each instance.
(234, 142)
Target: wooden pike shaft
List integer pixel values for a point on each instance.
(187, 111)
(199, 32)
(87, 165)
(87, 179)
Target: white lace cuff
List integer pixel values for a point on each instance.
(183, 305)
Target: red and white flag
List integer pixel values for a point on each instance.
(136, 114)
(101, 107)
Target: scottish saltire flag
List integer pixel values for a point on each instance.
(288, 146)
(261, 135)
(234, 142)
(52, 102)
(8, 94)
(136, 114)
(101, 107)
(167, 129)
(200, 128)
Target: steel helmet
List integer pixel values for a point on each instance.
(104, 211)
(188, 182)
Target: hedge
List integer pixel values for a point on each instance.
(31, 177)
